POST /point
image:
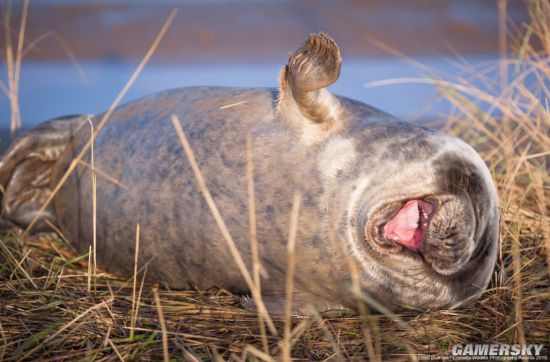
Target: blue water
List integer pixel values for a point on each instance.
(175, 2)
(49, 90)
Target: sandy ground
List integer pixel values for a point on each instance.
(260, 30)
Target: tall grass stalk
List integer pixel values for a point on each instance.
(256, 266)
(13, 66)
(286, 343)
(165, 352)
(94, 204)
(133, 313)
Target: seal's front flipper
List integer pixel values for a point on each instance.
(303, 303)
(302, 83)
(25, 170)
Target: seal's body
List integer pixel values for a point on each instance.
(412, 208)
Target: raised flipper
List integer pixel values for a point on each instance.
(303, 97)
(25, 170)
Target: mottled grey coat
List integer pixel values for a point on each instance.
(354, 166)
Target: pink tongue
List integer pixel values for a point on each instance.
(404, 228)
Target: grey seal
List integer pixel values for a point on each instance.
(414, 209)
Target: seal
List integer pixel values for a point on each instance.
(414, 210)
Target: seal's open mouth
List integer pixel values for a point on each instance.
(408, 226)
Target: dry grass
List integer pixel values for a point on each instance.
(13, 63)
(210, 324)
(49, 312)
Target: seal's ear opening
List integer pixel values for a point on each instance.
(310, 69)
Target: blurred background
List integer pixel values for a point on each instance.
(79, 54)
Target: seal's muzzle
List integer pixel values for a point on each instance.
(435, 229)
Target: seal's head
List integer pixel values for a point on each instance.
(415, 208)
(424, 222)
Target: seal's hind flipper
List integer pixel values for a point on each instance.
(25, 170)
(310, 69)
